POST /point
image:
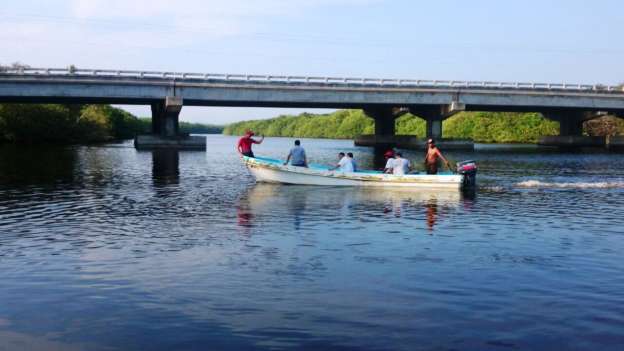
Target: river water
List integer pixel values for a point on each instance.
(109, 248)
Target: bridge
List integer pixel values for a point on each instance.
(384, 100)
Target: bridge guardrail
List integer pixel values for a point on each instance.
(350, 81)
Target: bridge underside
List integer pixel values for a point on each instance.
(384, 104)
(434, 115)
(570, 126)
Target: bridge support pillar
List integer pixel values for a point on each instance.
(570, 130)
(434, 120)
(385, 118)
(435, 116)
(165, 129)
(165, 116)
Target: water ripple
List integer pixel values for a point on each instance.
(158, 250)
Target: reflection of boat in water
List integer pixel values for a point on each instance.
(264, 197)
(302, 205)
(262, 193)
(273, 171)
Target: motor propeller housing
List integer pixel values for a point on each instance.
(469, 170)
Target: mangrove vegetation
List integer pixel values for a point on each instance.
(485, 127)
(75, 124)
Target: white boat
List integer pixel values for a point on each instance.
(274, 171)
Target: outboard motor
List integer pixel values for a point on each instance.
(469, 170)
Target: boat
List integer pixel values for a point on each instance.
(274, 171)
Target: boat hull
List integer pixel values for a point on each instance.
(272, 171)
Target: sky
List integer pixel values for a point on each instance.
(570, 41)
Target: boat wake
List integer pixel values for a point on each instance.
(570, 185)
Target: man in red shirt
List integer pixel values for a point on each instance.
(244, 143)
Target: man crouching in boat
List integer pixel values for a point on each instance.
(344, 164)
(399, 165)
(431, 158)
(245, 142)
(297, 156)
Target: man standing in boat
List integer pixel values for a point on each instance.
(245, 142)
(431, 158)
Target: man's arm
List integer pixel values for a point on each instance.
(288, 158)
(259, 141)
(238, 148)
(336, 166)
(388, 167)
(443, 159)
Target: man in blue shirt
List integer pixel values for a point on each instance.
(297, 156)
(350, 156)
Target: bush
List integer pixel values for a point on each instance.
(63, 124)
(348, 124)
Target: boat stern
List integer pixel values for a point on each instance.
(468, 171)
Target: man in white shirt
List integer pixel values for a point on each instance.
(389, 162)
(400, 165)
(389, 166)
(344, 165)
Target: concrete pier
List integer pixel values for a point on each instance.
(434, 116)
(412, 142)
(166, 130)
(615, 142)
(572, 141)
(571, 130)
(179, 141)
(385, 119)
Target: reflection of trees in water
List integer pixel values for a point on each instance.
(37, 165)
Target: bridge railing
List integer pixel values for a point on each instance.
(347, 81)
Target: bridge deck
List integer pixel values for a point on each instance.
(307, 80)
(146, 87)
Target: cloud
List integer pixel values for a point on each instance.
(207, 9)
(101, 28)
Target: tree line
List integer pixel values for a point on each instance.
(486, 127)
(71, 124)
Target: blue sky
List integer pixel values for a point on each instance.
(548, 41)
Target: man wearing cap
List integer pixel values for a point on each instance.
(431, 158)
(389, 156)
(245, 142)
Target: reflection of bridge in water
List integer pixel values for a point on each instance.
(384, 100)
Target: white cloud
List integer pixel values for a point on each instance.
(207, 9)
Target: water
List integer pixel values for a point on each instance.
(109, 248)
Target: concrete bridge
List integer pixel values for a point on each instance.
(382, 99)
